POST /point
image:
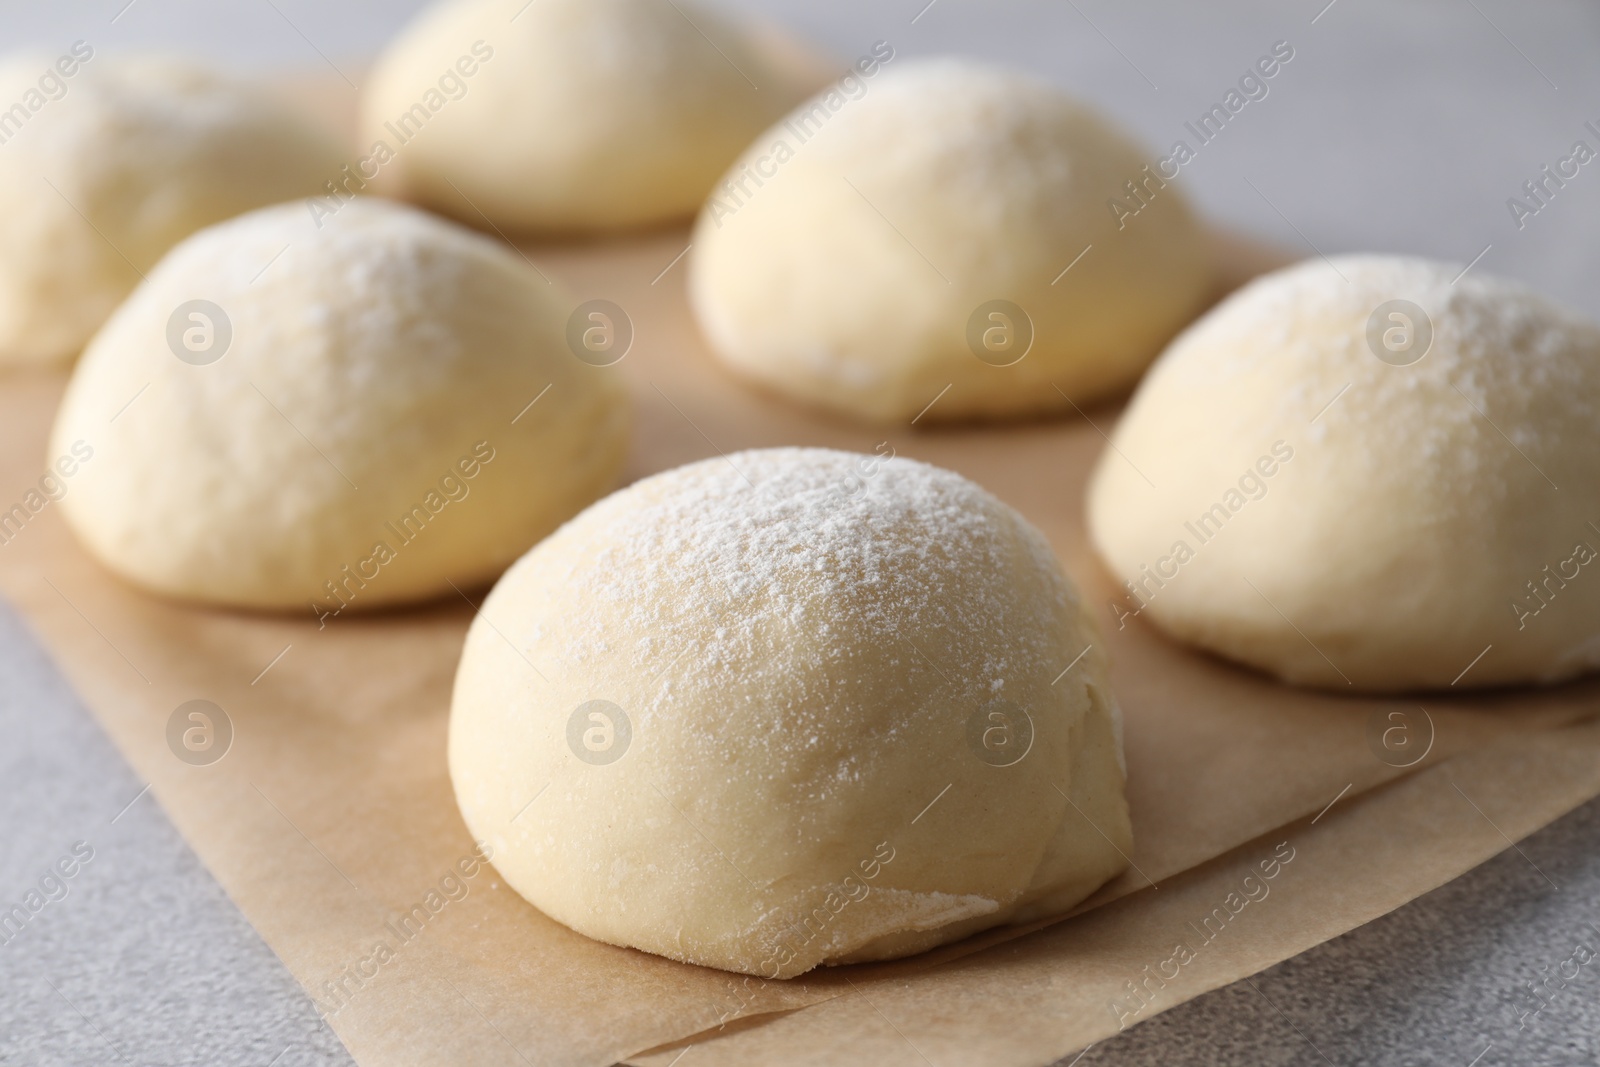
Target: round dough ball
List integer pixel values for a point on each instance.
(861, 254)
(791, 707)
(285, 416)
(118, 163)
(568, 114)
(1346, 475)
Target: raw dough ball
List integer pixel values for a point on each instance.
(854, 254)
(569, 114)
(1281, 495)
(284, 415)
(787, 708)
(141, 153)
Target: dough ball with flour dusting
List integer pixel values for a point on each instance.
(105, 168)
(788, 708)
(569, 114)
(1370, 473)
(943, 224)
(287, 415)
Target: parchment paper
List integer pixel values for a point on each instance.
(331, 815)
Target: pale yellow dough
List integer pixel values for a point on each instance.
(800, 642)
(375, 391)
(132, 156)
(1280, 495)
(568, 115)
(844, 256)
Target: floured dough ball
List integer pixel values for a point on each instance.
(105, 164)
(788, 708)
(287, 416)
(568, 114)
(941, 223)
(1347, 475)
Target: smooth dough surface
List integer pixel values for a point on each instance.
(131, 157)
(807, 647)
(569, 114)
(845, 254)
(364, 437)
(1280, 495)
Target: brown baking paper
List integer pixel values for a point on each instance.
(332, 815)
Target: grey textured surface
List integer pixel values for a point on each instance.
(1395, 128)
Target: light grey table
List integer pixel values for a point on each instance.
(1394, 128)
